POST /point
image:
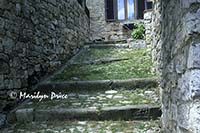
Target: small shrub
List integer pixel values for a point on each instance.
(138, 31)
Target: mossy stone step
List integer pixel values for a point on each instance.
(106, 42)
(122, 104)
(138, 65)
(117, 44)
(139, 112)
(69, 86)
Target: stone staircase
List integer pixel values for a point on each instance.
(93, 101)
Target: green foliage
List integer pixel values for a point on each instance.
(139, 31)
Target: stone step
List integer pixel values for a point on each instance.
(122, 104)
(131, 63)
(117, 44)
(152, 126)
(97, 85)
(139, 112)
(106, 42)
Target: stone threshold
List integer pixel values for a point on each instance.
(117, 44)
(69, 86)
(131, 45)
(137, 112)
(106, 42)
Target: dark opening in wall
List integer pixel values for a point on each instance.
(129, 26)
(109, 6)
(141, 8)
(149, 5)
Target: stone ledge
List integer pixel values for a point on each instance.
(120, 44)
(97, 85)
(140, 112)
(106, 42)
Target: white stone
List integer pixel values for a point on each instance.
(111, 92)
(118, 97)
(82, 122)
(194, 121)
(125, 102)
(109, 96)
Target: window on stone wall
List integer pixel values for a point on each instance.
(124, 9)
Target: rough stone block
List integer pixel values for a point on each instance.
(25, 115)
(4, 67)
(194, 117)
(2, 120)
(4, 4)
(189, 85)
(192, 22)
(8, 45)
(194, 56)
(187, 3)
(1, 82)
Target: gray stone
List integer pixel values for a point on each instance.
(1, 82)
(17, 83)
(180, 64)
(4, 67)
(4, 4)
(18, 8)
(194, 117)
(194, 56)
(8, 45)
(25, 115)
(2, 120)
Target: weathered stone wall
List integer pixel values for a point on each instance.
(155, 38)
(99, 28)
(148, 26)
(37, 37)
(180, 75)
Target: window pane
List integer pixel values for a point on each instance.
(130, 9)
(121, 13)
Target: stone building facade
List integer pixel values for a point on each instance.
(99, 28)
(104, 28)
(36, 38)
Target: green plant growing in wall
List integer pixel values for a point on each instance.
(138, 31)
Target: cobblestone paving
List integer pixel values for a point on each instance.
(87, 127)
(101, 99)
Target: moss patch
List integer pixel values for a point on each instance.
(138, 65)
